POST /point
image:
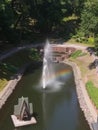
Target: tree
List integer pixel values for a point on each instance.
(89, 19)
(34, 54)
(6, 19)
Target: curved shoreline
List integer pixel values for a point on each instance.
(87, 107)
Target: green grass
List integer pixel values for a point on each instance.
(77, 53)
(3, 83)
(73, 41)
(93, 92)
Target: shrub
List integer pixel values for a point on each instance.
(91, 40)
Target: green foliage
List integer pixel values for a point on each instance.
(65, 19)
(34, 54)
(20, 17)
(7, 19)
(96, 45)
(73, 6)
(93, 92)
(10, 66)
(89, 18)
(91, 40)
(79, 38)
(21, 56)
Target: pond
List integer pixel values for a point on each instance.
(55, 110)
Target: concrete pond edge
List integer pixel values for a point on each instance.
(85, 103)
(9, 88)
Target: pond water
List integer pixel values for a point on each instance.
(55, 110)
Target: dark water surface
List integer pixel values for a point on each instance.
(54, 110)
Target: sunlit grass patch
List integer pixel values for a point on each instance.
(93, 92)
(77, 53)
(3, 83)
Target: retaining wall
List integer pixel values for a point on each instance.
(87, 107)
(6, 92)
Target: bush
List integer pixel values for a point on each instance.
(34, 54)
(91, 40)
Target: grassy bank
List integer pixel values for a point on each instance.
(89, 76)
(93, 92)
(73, 41)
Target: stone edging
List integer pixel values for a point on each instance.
(6, 92)
(85, 103)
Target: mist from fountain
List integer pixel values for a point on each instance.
(49, 79)
(47, 67)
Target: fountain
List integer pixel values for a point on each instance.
(54, 97)
(50, 80)
(47, 67)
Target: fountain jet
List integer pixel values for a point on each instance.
(47, 66)
(49, 78)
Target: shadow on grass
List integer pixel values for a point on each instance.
(94, 64)
(91, 50)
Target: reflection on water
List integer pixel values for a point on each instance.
(57, 110)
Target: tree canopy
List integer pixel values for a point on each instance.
(21, 20)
